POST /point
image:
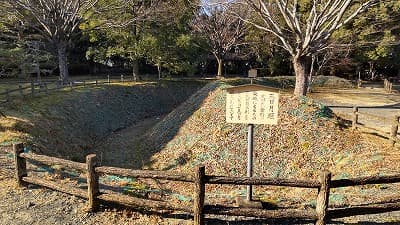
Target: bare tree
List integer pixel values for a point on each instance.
(222, 29)
(304, 33)
(56, 20)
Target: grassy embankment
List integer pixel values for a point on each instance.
(307, 139)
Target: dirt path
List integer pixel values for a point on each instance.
(377, 108)
(120, 148)
(40, 206)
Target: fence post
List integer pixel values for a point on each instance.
(20, 90)
(122, 78)
(390, 87)
(96, 82)
(359, 83)
(394, 130)
(33, 88)
(323, 197)
(20, 164)
(108, 79)
(355, 117)
(7, 95)
(84, 83)
(92, 182)
(199, 190)
(385, 81)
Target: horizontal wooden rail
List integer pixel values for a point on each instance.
(94, 195)
(141, 203)
(14, 90)
(366, 129)
(33, 86)
(363, 210)
(48, 160)
(144, 174)
(56, 186)
(261, 213)
(394, 127)
(374, 116)
(261, 181)
(365, 180)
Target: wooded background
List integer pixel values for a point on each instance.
(185, 38)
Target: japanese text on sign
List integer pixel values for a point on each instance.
(252, 107)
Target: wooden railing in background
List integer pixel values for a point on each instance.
(34, 88)
(387, 85)
(94, 195)
(394, 127)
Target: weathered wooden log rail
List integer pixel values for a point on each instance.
(95, 196)
(43, 87)
(394, 127)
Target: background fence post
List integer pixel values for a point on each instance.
(199, 194)
(355, 117)
(20, 90)
(20, 164)
(96, 82)
(32, 88)
(385, 84)
(122, 78)
(323, 197)
(108, 79)
(7, 95)
(394, 130)
(92, 182)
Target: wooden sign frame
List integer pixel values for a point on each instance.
(252, 104)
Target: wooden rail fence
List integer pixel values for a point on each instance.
(388, 86)
(394, 127)
(94, 195)
(34, 88)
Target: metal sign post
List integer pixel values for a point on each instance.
(252, 74)
(250, 160)
(251, 104)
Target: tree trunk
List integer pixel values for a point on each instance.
(62, 61)
(159, 71)
(135, 70)
(312, 74)
(39, 79)
(219, 60)
(301, 67)
(372, 72)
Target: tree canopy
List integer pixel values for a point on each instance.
(182, 37)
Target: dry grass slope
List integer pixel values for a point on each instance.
(308, 139)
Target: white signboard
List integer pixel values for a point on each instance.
(253, 73)
(252, 104)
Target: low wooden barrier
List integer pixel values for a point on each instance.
(43, 87)
(394, 127)
(94, 195)
(387, 85)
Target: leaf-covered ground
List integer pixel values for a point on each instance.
(307, 140)
(72, 124)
